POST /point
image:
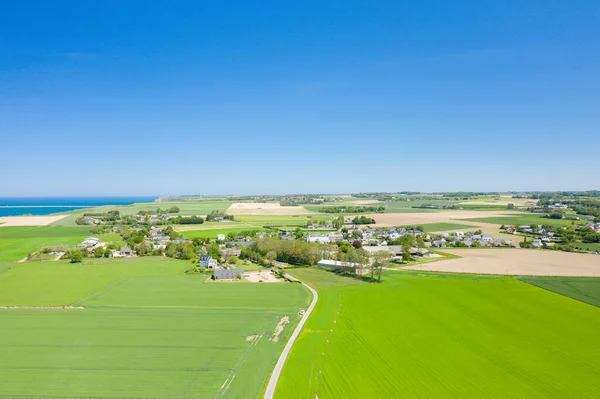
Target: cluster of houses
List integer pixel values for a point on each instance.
(92, 244)
(158, 240)
(470, 239)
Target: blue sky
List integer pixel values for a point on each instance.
(239, 97)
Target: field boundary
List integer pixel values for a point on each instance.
(288, 346)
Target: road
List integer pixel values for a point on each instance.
(288, 347)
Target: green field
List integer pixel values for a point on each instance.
(430, 335)
(147, 331)
(522, 219)
(583, 289)
(433, 227)
(18, 242)
(190, 208)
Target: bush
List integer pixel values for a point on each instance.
(76, 257)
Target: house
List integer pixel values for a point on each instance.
(318, 238)
(511, 230)
(439, 243)
(228, 274)
(536, 244)
(231, 252)
(486, 238)
(88, 242)
(459, 234)
(208, 262)
(221, 237)
(335, 264)
(126, 251)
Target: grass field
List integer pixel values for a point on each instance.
(520, 219)
(18, 242)
(426, 335)
(147, 331)
(582, 289)
(199, 208)
(433, 227)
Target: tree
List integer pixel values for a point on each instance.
(271, 256)
(214, 250)
(338, 222)
(357, 244)
(76, 256)
(510, 206)
(298, 233)
(173, 209)
(405, 252)
(379, 261)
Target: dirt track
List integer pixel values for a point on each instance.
(520, 262)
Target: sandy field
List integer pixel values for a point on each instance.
(265, 276)
(264, 208)
(403, 219)
(9, 221)
(519, 262)
(367, 202)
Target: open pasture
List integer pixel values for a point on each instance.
(18, 242)
(442, 336)
(264, 208)
(186, 208)
(517, 262)
(517, 219)
(582, 289)
(146, 330)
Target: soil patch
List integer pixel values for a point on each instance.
(11, 221)
(518, 262)
(279, 328)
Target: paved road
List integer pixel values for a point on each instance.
(288, 347)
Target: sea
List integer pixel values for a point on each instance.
(15, 206)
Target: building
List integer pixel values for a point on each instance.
(318, 238)
(536, 244)
(221, 237)
(335, 264)
(88, 242)
(228, 274)
(231, 252)
(126, 251)
(208, 262)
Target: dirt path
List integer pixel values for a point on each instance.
(288, 347)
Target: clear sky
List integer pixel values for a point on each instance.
(242, 97)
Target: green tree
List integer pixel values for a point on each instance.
(76, 256)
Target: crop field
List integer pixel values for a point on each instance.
(520, 219)
(146, 330)
(427, 335)
(582, 289)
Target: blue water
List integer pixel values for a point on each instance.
(15, 206)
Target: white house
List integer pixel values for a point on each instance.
(318, 238)
(459, 234)
(208, 262)
(221, 237)
(335, 264)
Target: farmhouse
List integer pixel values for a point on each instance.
(208, 262)
(228, 274)
(335, 264)
(231, 252)
(318, 238)
(396, 251)
(88, 242)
